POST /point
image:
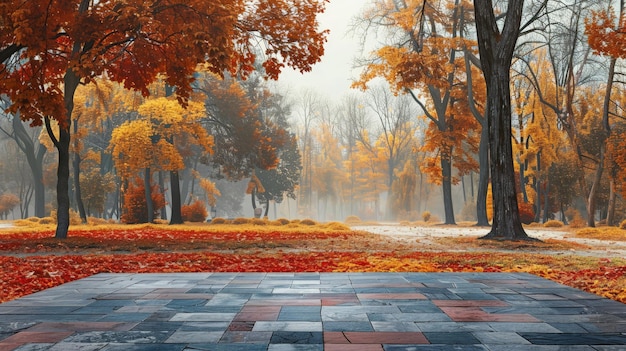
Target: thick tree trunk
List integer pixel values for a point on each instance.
(446, 171)
(63, 177)
(496, 52)
(483, 178)
(506, 220)
(177, 217)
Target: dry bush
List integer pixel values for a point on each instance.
(577, 222)
(534, 224)
(294, 221)
(308, 222)
(602, 233)
(259, 221)
(219, 220)
(553, 223)
(241, 220)
(47, 220)
(194, 212)
(426, 216)
(353, 220)
(623, 224)
(282, 221)
(97, 221)
(335, 226)
(33, 219)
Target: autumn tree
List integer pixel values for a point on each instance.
(572, 67)
(62, 44)
(27, 141)
(423, 57)
(496, 46)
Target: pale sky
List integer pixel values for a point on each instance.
(331, 77)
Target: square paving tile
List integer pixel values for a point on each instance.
(313, 311)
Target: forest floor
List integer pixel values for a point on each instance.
(461, 238)
(31, 259)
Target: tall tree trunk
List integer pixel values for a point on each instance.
(446, 170)
(610, 215)
(496, 53)
(147, 186)
(176, 215)
(483, 178)
(162, 189)
(71, 81)
(546, 202)
(591, 199)
(77, 192)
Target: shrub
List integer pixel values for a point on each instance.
(259, 221)
(353, 220)
(194, 212)
(47, 220)
(623, 224)
(74, 217)
(135, 207)
(219, 220)
(336, 226)
(241, 220)
(426, 216)
(282, 221)
(553, 223)
(526, 212)
(308, 222)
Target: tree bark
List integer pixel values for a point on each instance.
(77, 193)
(591, 199)
(446, 172)
(176, 216)
(147, 185)
(483, 178)
(496, 52)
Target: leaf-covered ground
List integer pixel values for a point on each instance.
(32, 260)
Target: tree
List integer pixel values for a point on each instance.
(34, 152)
(496, 49)
(66, 43)
(423, 59)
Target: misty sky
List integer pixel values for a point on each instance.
(331, 77)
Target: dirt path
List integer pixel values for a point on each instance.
(428, 237)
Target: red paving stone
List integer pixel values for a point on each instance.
(469, 303)
(37, 337)
(377, 338)
(475, 314)
(353, 347)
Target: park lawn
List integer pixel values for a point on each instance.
(32, 260)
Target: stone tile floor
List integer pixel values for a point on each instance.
(313, 311)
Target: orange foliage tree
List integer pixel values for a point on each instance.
(60, 44)
(423, 59)
(135, 206)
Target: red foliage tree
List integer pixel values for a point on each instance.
(135, 207)
(194, 212)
